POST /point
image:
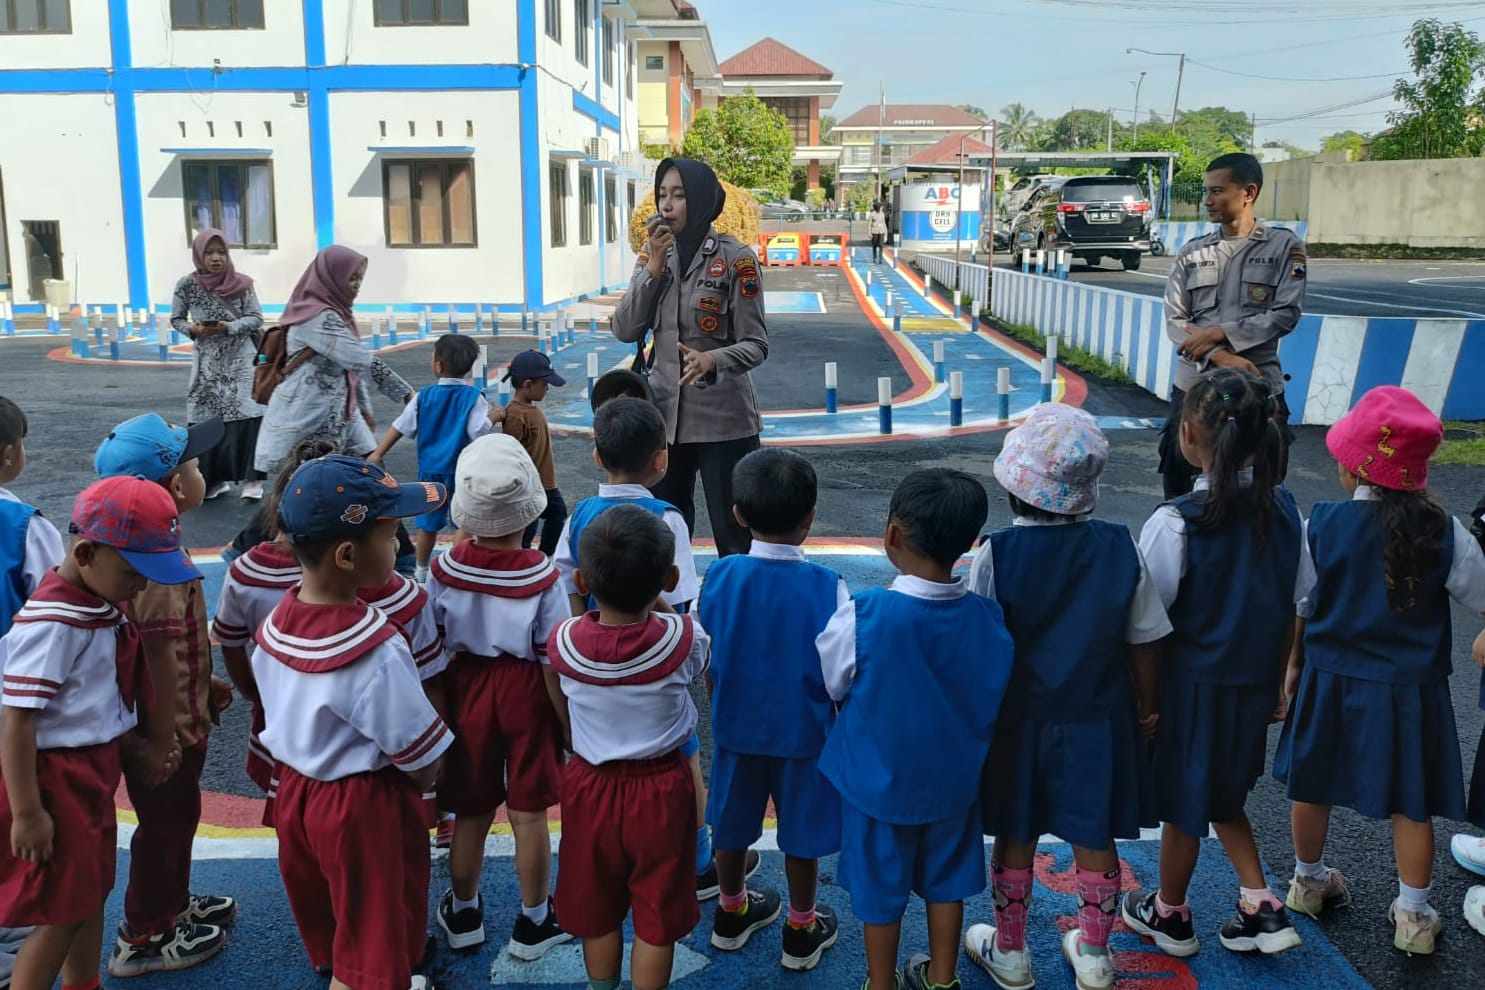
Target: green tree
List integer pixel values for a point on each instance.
(973, 111)
(1352, 141)
(746, 142)
(827, 128)
(1441, 114)
(1017, 127)
(1216, 130)
(1081, 130)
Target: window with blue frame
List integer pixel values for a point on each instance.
(429, 203)
(35, 17)
(580, 32)
(235, 197)
(199, 15)
(420, 13)
(610, 48)
(554, 20)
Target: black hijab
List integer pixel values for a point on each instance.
(705, 198)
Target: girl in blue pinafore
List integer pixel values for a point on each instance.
(1372, 724)
(1068, 758)
(1226, 559)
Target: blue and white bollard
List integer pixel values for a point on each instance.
(974, 317)
(1052, 339)
(79, 334)
(1041, 262)
(479, 317)
(592, 319)
(376, 334)
(541, 337)
(888, 307)
(956, 398)
(1064, 264)
(1003, 394)
(1049, 375)
(121, 318)
(502, 392)
(426, 327)
(52, 324)
(142, 321)
(453, 319)
(116, 344)
(958, 308)
(592, 372)
(897, 316)
(831, 391)
(391, 317)
(1026, 261)
(98, 322)
(484, 368)
(938, 361)
(525, 320)
(571, 326)
(868, 278)
(7, 320)
(884, 406)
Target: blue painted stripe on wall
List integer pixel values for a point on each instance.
(533, 163)
(592, 108)
(368, 78)
(131, 184)
(1466, 397)
(1297, 355)
(1384, 353)
(1153, 345)
(314, 32)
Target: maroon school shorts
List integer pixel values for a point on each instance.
(628, 840)
(507, 740)
(77, 788)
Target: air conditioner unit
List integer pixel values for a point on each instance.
(597, 148)
(627, 159)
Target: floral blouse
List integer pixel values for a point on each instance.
(221, 366)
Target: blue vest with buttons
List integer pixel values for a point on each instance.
(1066, 591)
(1353, 631)
(591, 508)
(1236, 601)
(912, 735)
(763, 615)
(15, 520)
(443, 425)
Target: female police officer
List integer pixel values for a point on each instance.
(700, 293)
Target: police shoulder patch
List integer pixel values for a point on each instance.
(711, 304)
(717, 268)
(748, 286)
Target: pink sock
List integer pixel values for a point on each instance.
(1166, 910)
(733, 902)
(801, 919)
(1012, 901)
(1098, 893)
(1256, 897)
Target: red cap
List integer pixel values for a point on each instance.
(137, 518)
(1387, 439)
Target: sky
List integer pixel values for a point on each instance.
(1323, 61)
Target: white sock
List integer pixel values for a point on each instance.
(536, 915)
(462, 905)
(1310, 871)
(1412, 898)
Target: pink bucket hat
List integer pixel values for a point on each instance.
(1387, 439)
(1053, 460)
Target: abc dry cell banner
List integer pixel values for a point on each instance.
(931, 210)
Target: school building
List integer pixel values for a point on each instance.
(475, 150)
(880, 137)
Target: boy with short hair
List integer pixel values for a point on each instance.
(620, 679)
(770, 710)
(73, 672)
(919, 669)
(497, 604)
(443, 418)
(356, 740)
(165, 926)
(530, 375)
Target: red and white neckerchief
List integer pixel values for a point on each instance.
(58, 600)
(267, 565)
(609, 656)
(315, 639)
(502, 573)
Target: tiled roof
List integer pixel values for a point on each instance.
(912, 115)
(946, 152)
(770, 57)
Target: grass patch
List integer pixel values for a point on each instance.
(1399, 252)
(1464, 443)
(1071, 355)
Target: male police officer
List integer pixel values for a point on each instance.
(1230, 297)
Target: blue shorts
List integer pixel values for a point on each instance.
(437, 520)
(881, 864)
(807, 805)
(691, 746)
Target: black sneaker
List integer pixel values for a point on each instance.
(530, 941)
(465, 929)
(914, 975)
(732, 929)
(707, 886)
(1267, 931)
(1171, 934)
(803, 947)
(182, 947)
(209, 909)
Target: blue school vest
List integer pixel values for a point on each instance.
(1236, 601)
(15, 519)
(911, 738)
(591, 508)
(1066, 591)
(443, 425)
(1353, 632)
(768, 693)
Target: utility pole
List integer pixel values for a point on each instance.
(1138, 83)
(1253, 135)
(1111, 129)
(1176, 103)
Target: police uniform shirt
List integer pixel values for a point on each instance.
(488, 608)
(686, 589)
(1253, 288)
(634, 706)
(60, 660)
(341, 694)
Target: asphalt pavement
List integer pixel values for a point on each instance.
(72, 406)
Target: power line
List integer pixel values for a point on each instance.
(1323, 111)
(1303, 79)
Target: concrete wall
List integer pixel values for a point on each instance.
(1286, 190)
(1427, 203)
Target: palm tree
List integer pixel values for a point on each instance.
(1017, 127)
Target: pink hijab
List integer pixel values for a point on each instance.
(228, 283)
(323, 286)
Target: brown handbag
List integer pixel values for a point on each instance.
(272, 363)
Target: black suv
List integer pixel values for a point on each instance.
(1093, 216)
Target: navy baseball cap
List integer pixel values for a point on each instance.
(532, 364)
(150, 448)
(336, 495)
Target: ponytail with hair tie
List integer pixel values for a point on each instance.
(1234, 413)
